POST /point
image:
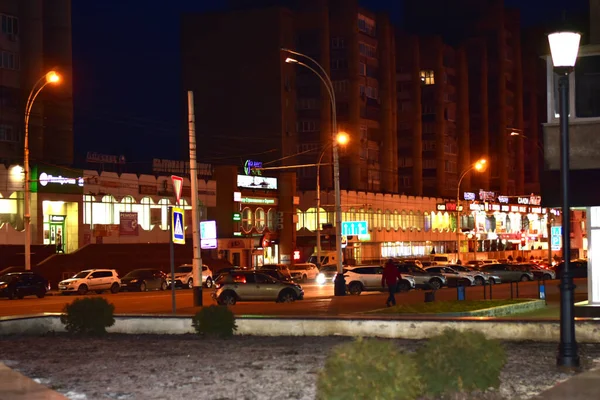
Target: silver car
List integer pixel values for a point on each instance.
(237, 286)
(481, 277)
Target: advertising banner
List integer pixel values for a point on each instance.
(128, 224)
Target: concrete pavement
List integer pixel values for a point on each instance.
(15, 386)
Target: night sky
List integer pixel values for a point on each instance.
(127, 83)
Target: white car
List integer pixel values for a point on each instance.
(453, 277)
(304, 271)
(363, 278)
(184, 276)
(97, 280)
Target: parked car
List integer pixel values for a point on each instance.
(20, 284)
(453, 277)
(426, 264)
(537, 271)
(368, 278)
(276, 274)
(302, 272)
(578, 268)
(508, 272)
(97, 280)
(184, 276)
(251, 285)
(283, 268)
(423, 279)
(441, 260)
(481, 277)
(144, 279)
(329, 272)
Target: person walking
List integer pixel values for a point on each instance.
(390, 276)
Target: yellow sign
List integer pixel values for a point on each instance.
(177, 225)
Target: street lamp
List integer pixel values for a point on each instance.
(341, 138)
(564, 47)
(340, 283)
(478, 166)
(53, 78)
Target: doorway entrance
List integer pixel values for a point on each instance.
(55, 232)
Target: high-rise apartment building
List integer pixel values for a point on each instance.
(248, 97)
(490, 36)
(35, 37)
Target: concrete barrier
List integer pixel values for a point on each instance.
(587, 331)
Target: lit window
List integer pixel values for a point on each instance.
(259, 220)
(247, 220)
(427, 77)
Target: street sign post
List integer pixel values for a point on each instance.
(177, 187)
(178, 231)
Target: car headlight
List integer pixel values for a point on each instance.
(320, 279)
(4, 286)
(134, 280)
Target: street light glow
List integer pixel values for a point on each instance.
(52, 77)
(564, 47)
(342, 138)
(481, 165)
(291, 60)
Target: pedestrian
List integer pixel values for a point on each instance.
(390, 277)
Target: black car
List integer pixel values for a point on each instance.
(21, 284)
(578, 268)
(144, 279)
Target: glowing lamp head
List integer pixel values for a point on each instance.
(291, 60)
(52, 77)
(564, 47)
(342, 138)
(481, 165)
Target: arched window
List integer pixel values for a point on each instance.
(411, 220)
(387, 220)
(404, 223)
(379, 219)
(260, 220)
(164, 213)
(371, 219)
(247, 220)
(395, 220)
(144, 213)
(271, 219)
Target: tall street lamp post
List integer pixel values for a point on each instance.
(340, 283)
(564, 47)
(53, 78)
(478, 166)
(341, 138)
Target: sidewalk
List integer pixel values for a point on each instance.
(14, 386)
(580, 387)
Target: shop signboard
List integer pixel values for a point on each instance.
(556, 237)
(256, 182)
(208, 234)
(128, 224)
(55, 179)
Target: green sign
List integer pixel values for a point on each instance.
(54, 179)
(237, 216)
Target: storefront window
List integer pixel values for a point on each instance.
(371, 217)
(260, 221)
(247, 220)
(143, 211)
(88, 202)
(103, 212)
(403, 221)
(387, 220)
(272, 217)
(427, 222)
(419, 221)
(379, 219)
(361, 215)
(300, 223)
(164, 214)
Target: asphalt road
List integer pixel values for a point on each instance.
(318, 300)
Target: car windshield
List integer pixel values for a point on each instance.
(329, 268)
(6, 278)
(298, 267)
(137, 273)
(184, 268)
(82, 274)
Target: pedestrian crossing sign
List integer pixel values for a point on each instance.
(177, 227)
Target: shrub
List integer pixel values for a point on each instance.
(460, 361)
(213, 320)
(369, 369)
(88, 316)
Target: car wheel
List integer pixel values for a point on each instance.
(524, 278)
(163, 285)
(403, 286)
(355, 288)
(286, 296)
(190, 283)
(547, 277)
(41, 294)
(479, 280)
(115, 288)
(82, 289)
(227, 299)
(143, 287)
(209, 282)
(491, 281)
(435, 284)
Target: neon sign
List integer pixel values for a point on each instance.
(250, 167)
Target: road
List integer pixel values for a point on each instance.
(318, 300)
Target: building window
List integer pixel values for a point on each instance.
(260, 220)
(306, 126)
(587, 87)
(366, 25)
(364, 132)
(339, 63)
(362, 69)
(404, 162)
(367, 50)
(247, 220)
(7, 133)
(372, 92)
(340, 86)
(307, 104)
(10, 60)
(428, 109)
(427, 77)
(429, 163)
(10, 24)
(338, 43)
(406, 181)
(428, 145)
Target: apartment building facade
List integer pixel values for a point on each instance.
(35, 37)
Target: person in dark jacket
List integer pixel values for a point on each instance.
(390, 276)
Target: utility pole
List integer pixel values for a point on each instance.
(197, 256)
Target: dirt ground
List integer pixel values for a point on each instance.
(254, 368)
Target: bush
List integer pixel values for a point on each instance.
(214, 320)
(88, 316)
(369, 369)
(460, 361)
